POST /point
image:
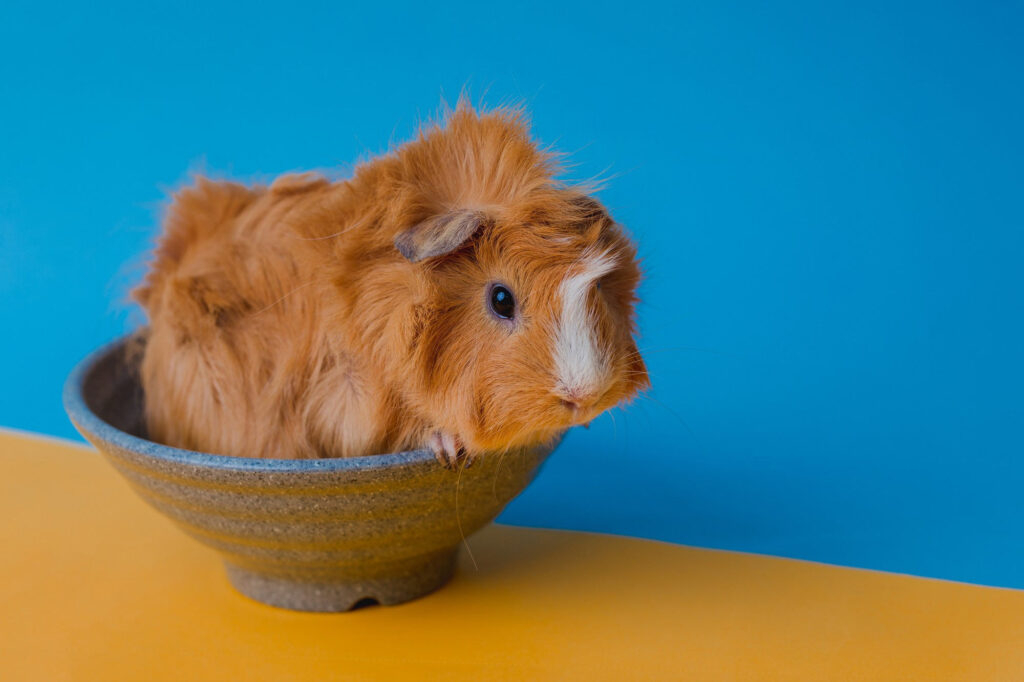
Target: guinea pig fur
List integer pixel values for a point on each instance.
(452, 294)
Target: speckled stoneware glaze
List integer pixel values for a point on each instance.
(311, 535)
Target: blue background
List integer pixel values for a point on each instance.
(828, 200)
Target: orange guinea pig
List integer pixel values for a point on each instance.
(452, 294)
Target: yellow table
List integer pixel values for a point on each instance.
(94, 585)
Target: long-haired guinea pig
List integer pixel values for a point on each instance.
(452, 294)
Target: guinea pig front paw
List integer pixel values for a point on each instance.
(448, 449)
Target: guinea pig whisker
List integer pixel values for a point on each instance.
(458, 519)
(667, 349)
(615, 426)
(332, 236)
(672, 412)
(268, 307)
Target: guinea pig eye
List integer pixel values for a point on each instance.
(502, 303)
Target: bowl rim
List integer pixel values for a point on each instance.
(87, 421)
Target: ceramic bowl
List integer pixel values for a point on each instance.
(311, 535)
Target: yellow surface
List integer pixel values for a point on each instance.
(94, 585)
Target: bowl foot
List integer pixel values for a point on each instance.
(417, 578)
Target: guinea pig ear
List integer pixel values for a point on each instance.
(438, 235)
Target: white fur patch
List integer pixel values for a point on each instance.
(581, 365)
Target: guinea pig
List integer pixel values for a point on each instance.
(452, 294)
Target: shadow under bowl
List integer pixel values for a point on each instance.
(310, 535)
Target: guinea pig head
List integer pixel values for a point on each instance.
(525, 322)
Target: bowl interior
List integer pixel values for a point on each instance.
(111, 389)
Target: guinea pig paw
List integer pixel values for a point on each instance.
(447, 448)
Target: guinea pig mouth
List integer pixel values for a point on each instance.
(573, 407)
(579, 415)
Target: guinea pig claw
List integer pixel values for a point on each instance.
(446, 447)
(436, 444)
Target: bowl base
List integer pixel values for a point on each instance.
(420, 577)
